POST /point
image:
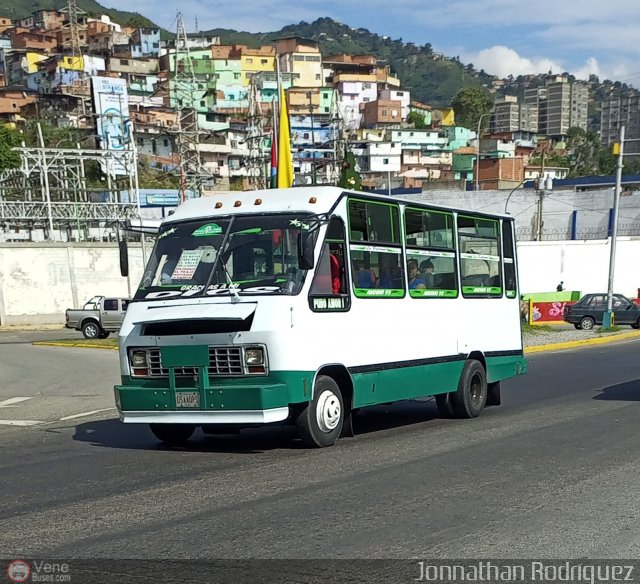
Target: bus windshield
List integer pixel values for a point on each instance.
(238, 255)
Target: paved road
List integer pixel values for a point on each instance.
(552, 473)
(41, 384)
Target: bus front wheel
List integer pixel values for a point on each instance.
(471, 396)
(172, 434)
(320, 422)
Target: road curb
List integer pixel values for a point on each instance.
(78, 344)
(582, 343)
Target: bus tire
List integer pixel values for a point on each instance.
(445, 408)
(493, 394)
(470, 398)
(320, 421)
(172, 434)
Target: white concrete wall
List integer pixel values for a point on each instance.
(582, 265)
(38, 282)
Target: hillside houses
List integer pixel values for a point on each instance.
(333, 101)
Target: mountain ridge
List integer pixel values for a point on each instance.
(431, 77)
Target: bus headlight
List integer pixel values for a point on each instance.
(139, 361)
(255, 360)
(254, 356)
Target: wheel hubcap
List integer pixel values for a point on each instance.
(92, 331)
(328, 411)
(476, 391)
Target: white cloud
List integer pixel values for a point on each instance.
(504, 61)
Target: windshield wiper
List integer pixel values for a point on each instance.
(223, 248)
(232, 285)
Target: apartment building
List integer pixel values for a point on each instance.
(302, 58)
(617, 112)
(5, 23)
(561, 105)
(404, 97)
(253, 61)
(11, 103)
(509, 115)
(382, 112)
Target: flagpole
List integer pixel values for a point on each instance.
(279, 89)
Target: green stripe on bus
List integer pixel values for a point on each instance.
(433, 293)
(379, 292)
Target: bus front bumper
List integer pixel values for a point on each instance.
(248, 403)
(240, 417)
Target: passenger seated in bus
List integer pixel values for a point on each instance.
(426, 273)
(390, 273)
(363, 278)
(415, 283)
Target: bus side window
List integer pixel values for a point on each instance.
(329, 277)
(330, 274)
(509, 259)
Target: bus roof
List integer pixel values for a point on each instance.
(312, 199)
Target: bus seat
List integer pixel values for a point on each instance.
(365, 279)
(476, 280)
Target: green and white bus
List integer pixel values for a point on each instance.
(296, 305)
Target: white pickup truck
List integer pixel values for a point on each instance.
(98, 318)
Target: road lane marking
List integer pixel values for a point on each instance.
(21, 422)
(83, 414)
(8, 403)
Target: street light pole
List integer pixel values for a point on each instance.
(607, 318)
(477, 177)
(511, 193)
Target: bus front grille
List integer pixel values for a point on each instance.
(223, 362)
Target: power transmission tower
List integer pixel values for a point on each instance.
(337, 133)
(73, 27)
(256, 159)
(183, 89)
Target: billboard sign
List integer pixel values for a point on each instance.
(111, 106)
(161, 199)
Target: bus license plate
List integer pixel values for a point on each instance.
(188, 399)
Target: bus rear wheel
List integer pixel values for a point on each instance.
(469, 399)
(172, 434)
(320, 422)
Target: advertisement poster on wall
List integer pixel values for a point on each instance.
(111, 105)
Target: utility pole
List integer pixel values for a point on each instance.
(313, 142)
(541, 185)
(255, 141)
(45, 181)
(477, 173)
(337, 139)
(73, 26)
(607, 317)
(183, 89)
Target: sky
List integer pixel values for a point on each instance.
(503, 37)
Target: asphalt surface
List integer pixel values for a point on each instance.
(552, 473)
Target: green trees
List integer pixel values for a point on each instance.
(9, 139)
(349, 177)
(469, 104)
(586, 154)
(417, 119)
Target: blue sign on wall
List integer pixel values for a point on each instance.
(161, 199)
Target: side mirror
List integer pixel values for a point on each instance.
(306, 241)
(124, 258)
